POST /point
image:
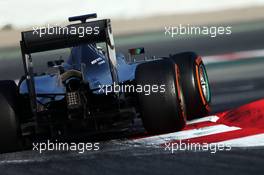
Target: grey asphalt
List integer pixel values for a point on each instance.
(232, 85)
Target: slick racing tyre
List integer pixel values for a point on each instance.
(195, 84)
(161, 111)
(10, 134)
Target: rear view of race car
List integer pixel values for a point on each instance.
(81, 97)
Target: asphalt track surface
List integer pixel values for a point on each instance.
(232, 84)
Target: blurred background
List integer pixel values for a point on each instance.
(129, 17)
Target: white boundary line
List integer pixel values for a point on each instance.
(248, 141)
(234, 56)
(187, 134)
(212, 118)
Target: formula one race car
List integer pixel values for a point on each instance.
(96, 90)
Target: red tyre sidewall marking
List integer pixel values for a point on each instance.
(177, 75)
(198, 62)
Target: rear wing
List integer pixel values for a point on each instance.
(46, 39)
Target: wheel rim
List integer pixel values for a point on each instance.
(204, 83)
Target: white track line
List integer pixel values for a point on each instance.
(212, 118)
(233, 56)
(182, 135)
(248, 141)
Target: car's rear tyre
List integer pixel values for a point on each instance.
(195, 84)
(162, 111)
(10, 134)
